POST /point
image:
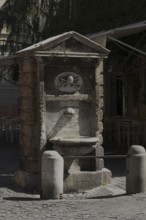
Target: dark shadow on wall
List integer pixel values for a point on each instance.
(9, 164)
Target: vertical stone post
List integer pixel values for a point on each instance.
(41, 115)
(99, 112)
(27, 176)
(136, 170)
(52, 169)
(42, 104)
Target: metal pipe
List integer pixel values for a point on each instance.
(98, 157)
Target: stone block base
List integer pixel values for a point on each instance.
(26, 180)
(73, 182)
(82, 181)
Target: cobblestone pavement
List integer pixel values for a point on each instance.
(105, 202)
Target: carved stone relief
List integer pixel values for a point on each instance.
(68, 82)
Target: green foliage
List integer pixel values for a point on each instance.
(58, 19)
(10, 74)
(34, 20)
(23, 18)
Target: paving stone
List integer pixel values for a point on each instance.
(103, 203)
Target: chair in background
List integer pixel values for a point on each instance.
(9, 130)
(15, 129)
(109, 129)
(144, 135)
(2, 129)
(138, 132)
(124, 134)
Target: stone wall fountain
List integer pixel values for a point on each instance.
(61, 109)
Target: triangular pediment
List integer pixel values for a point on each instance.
(67, 42)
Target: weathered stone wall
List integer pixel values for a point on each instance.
(42, 65)
(99, 112)
(29, 130)
(60, 124)
(35, 87)
(81, 123)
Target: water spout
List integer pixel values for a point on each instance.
(69, 111)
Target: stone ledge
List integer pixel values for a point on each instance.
(82, 181)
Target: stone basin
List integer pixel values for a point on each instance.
(74, 145)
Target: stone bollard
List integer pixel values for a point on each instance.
(52, 169)
(136, 170)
